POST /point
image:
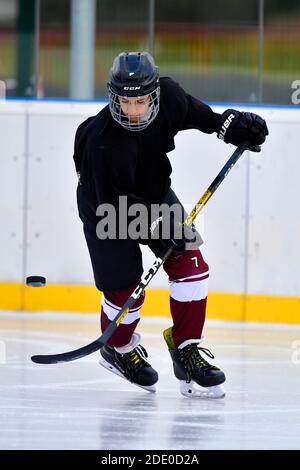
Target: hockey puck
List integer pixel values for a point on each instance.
(35, 281)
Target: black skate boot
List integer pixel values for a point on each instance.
(129, 362)
(190, 367)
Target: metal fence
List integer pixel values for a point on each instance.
(246, 52)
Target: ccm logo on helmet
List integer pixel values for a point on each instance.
(131, 88)
(225, 126)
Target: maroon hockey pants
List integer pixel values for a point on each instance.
(188, 277)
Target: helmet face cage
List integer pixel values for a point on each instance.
(133, 75)
(142, 121)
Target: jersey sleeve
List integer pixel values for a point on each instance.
(187, 112)
(80, 142)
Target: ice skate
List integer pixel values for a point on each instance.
(191, 369)
(129, 362)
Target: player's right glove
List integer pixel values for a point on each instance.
(237, 127)
(168, 232)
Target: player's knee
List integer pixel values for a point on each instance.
(188, 275)
(186, 264)
(113, 301)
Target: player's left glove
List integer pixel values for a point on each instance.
(237, 127)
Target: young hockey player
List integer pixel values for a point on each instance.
(122, 152)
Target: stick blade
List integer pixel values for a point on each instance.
(68, 356)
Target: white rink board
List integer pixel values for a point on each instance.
(56, 244)
(223, 225)
(259, 254)
(13, 148)
(274, 225)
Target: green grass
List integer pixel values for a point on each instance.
(187, 53)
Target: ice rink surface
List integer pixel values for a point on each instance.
(80, 405)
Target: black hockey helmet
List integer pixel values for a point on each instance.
(134, 74)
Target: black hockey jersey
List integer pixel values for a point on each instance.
(113, 161)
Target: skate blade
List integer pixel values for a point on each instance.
(108, 366)
(187, 389)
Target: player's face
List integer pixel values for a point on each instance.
(134, 108)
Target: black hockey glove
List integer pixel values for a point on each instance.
(237, 127)
(166, 233)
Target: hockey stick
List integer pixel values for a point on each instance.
(102, 340)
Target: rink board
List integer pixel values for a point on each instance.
(251, 226)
